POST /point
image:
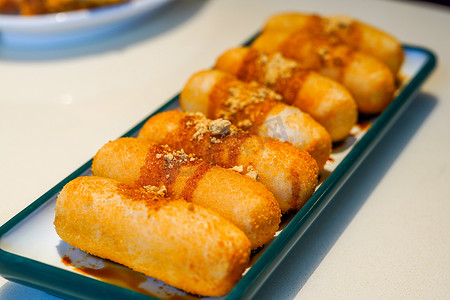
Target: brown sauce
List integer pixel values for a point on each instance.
(363, 126)
(364, 123)
(127, 278)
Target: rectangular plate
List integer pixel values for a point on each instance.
(31, 252)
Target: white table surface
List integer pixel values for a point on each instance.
(384, 236)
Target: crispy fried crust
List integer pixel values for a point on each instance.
(288, 172)
(180, 243)
(370, 81)
(255, 108)
(327, 101)
(354, 33)
(242, 200)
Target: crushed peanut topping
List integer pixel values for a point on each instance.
(239, 168)
(265, 92)
(219, 127)
(332, 24)
(263, 59)
(168, 157)
(172, 157)
(195, 114)
(181, 155)
(240, 97)
(201, 126)
(162, 191)
(245, 124)
(215, 140)
(276, 67)
(324, 54)
(252, 173)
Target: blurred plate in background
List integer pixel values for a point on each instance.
(72, 26)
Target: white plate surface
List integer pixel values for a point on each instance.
(73, 25)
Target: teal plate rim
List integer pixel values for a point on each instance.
(63, 283)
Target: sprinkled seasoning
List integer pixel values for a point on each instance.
(201, 128)
(160, 191)
(219, 127)
(215, 140)
(223, 147)
(244, 124)
(280, 74)
(251, 172)
(276, 67)
(237, 101)
(162, 166)
(239, 168)
(215, 128)
(168, 157)
(152, 199)
(333, 24)
(241, 97)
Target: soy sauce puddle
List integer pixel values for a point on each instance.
(122, 276)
